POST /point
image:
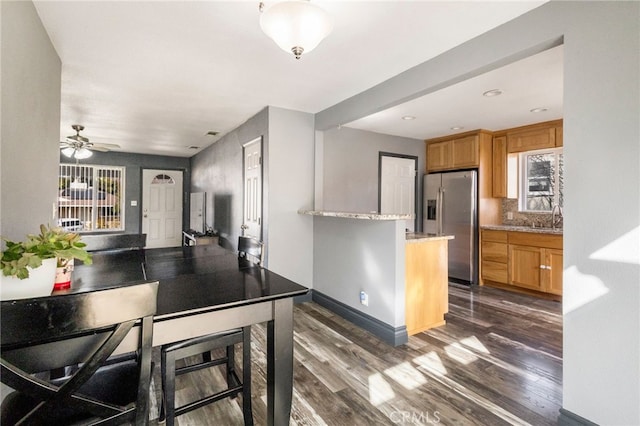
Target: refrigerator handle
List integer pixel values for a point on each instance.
(440, 203)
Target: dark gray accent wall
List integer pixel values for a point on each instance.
(217, 170)
(134, 164)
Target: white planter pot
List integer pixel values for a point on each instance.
(39, 283)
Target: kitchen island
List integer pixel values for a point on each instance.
(426, 281)
(360, 271)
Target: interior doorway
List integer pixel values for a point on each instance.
(252, 177)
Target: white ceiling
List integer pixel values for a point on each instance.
(155, 77)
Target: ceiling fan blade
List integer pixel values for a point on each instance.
(107, 145)
(98, 148)
(78, 138)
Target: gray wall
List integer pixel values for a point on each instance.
(350, 167)
(354, 255)
(601, 300)
(217, 170)
(134, 164)
(30, 125)
(290, 183)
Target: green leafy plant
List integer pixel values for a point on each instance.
(51, 242)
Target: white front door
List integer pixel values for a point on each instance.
(398, 187)
(162, 207)
(252, 220)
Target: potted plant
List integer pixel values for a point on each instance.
(33, 258)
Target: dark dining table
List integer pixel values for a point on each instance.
(207, 289)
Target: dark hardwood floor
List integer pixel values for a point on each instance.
(498, 360)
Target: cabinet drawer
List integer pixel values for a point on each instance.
(495, 236)
(494, 252)
(494, 271)
(536, 240)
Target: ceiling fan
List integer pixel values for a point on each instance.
(79, 147)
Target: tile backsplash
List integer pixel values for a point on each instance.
(542, 220)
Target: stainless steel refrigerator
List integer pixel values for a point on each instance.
(450, 208)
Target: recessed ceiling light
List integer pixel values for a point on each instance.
(408, 117)
(493, 92)
(457, 127)
(212, 133)
(194, 147)
(538, 110)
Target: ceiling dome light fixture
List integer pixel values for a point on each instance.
(534, 110)
(296, 26)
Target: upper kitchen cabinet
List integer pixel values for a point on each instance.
(456, 152)
(499, 189)
(536, 136)
(470, 150)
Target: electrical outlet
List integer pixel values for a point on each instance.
(364, 298)
(510, 215)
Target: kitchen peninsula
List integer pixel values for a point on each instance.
(370, 271)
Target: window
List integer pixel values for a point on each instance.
(541, 180)
(90, 198)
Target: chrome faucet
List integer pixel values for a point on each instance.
(556, 216)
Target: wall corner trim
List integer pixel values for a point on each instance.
(394, 336)
(567, 418)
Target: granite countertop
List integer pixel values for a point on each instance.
(353, 215)
(417, 237)
(557, 231)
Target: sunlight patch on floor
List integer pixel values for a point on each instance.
(431, 362)
(459, 353)
(380, 390)
(473, 343)
(406, 375)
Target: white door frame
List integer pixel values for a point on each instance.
(382, 154)
(175, 238)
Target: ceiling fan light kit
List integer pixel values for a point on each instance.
(296, 26)
(79, 147)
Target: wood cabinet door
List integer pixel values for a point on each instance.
(524, 266)
(464, 152)
(552, 282)
(529, 140)
(559, 137)
(438, 156)
(499, 189)
(426, 285)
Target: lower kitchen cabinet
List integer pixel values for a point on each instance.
(527, 260)
(552, 282)
(525, 264)
(495, 255)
